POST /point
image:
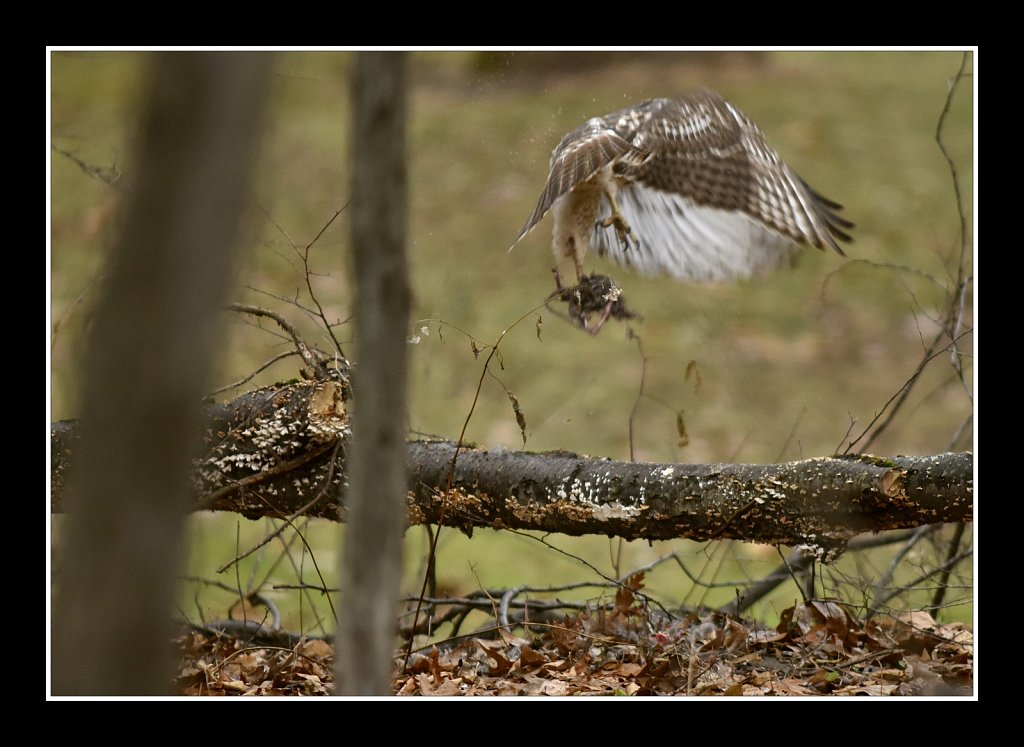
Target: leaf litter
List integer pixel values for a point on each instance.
(625, 648)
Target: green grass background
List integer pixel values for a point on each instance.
(785, 363)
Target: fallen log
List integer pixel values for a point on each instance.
(280, 451)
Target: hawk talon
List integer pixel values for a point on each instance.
(623, 231)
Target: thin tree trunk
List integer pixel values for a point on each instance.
(147, 364)
(372, 558)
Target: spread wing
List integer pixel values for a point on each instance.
(704, 149)
(710, 199)
(706, 196)
(578, 157)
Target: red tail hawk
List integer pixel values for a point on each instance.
(691, 188)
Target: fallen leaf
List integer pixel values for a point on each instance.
(872, 688)
(315, 649)
(426, 686)
(451, 686)
(532, 658)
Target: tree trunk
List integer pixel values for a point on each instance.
(371, 570)
(147, 364)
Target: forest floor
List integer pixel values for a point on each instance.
(626, 648)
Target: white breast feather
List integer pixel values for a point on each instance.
(690, 242)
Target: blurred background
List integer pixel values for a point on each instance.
(786, 367)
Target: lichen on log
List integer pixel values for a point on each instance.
(281, 449)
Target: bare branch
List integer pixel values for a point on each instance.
(949, 564)
(246, 379)
(314, 363)
(896, 401)
(797, 562)
(912, 541)
(110, 175)
(954, 547)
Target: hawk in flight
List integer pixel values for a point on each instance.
(691, 188)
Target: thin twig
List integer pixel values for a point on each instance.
(792, 573)
(109, 175)
(952, 327)
(919, 534)
(896, 400)
(951, 563)
(289, 519)
(238, 578)
(455, 455)
(617, 583)
(251, 376)
(792, 432)
(57, 325)
(301, 536)
(958, 303)
(484, 603)
(849, 263)
(309, 357)
(248, 647)
(866, 657)
(454, 615)
(285, 547)
(307, 587)
(308, 274)
(639, 394)
(449, 643)
(952, 165)
(309, 283)
(797, 561)
(954, 545)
